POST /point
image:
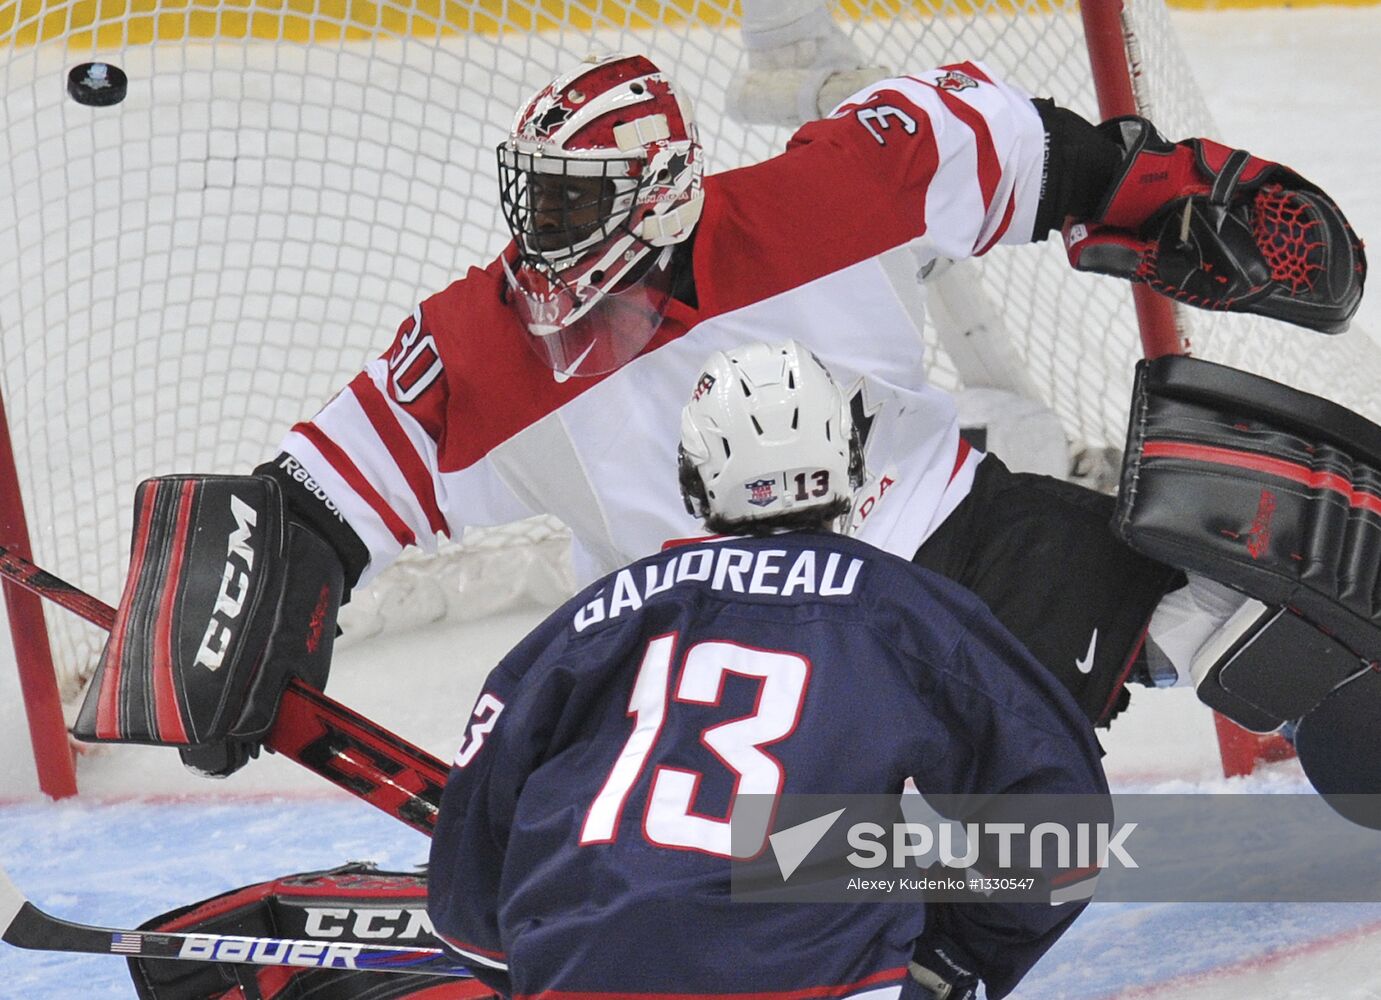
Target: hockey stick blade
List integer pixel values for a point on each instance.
(26, 926)
(317, 732)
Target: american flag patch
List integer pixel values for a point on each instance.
(126, 944)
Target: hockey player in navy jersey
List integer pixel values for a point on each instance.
(582, 847)
(546, 381)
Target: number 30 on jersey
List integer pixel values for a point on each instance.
(415, 363)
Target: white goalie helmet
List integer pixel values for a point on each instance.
(767, 432)
(599, 177)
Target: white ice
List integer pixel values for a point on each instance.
(1299, 86)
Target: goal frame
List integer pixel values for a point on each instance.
(1112, 69)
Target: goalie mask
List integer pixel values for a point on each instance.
(767, 433)
(599, 178)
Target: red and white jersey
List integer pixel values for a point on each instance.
(459, 423)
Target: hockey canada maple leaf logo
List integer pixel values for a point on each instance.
(548, 115)
(954, 80)
(863, 412)
(551, 119)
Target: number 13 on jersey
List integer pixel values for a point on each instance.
(482, 721)
(739, 743)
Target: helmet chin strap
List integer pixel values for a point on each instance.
(641, 132)
(674, 226)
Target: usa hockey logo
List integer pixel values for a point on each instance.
(762, 493)
(705, 384)
(954, 80)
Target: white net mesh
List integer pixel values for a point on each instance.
(186, 274)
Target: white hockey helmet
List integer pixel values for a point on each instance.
(767, 432)
(600, 174)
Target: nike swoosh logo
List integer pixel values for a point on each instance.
(562, 376)
(1086, 664)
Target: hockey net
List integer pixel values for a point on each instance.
(186, 274)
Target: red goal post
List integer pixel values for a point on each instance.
(187, 273)
(1240, 751)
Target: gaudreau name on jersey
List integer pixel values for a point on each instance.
(723, 567)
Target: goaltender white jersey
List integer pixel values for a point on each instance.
(459, 423)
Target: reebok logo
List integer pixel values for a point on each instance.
(294, 469)
(1259, 537)
(317, 621)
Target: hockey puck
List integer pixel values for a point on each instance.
(97, 84)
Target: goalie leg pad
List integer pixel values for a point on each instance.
(1339, 747)
(225, 602)
(1250, 671)
(1276, 493)
(353, 903)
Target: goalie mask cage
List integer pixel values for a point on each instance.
(186, 274)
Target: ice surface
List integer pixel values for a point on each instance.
(1299, 86)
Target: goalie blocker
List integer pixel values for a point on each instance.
(227, 599)
(1277, 493)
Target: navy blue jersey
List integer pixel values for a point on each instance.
(582, 847)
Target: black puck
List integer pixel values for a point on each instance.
(98, 84)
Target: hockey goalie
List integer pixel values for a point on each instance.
(550, 380)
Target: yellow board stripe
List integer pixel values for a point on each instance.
(1209, 5)
(109, 24)
(113, 23)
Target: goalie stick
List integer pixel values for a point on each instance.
(317, 732)
(26, 926)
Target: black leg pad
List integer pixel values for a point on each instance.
(1339, 747)
(1268, 666)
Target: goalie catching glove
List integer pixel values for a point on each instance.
(226, 601)
(1218, 228)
